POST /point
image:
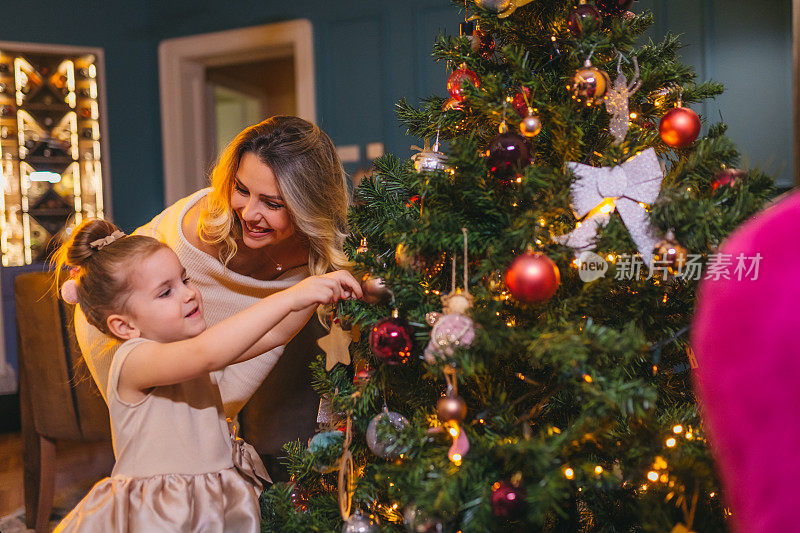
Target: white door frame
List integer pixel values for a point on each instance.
(182, 64)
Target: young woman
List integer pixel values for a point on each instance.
(275, 213)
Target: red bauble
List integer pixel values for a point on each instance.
(613, 7)
(533, 278)
(390, 340)
(509, 153)
(583, 17)
(679, 127)
(727, 178)
(362, 376)
(457, 80)
(519, 104)
(508, 501)
(483, 43)
(298, 496)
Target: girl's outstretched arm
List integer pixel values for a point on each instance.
(290, 326)
(153, 364)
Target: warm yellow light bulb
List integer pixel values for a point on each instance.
(634, 115)
(671, 442)
(456, 457)
(679, 428)
(587, 378)
(598, 469)
(652, 476)
(454, 432)
(569, 473)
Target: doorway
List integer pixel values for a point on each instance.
(213, 85)
(246, 93)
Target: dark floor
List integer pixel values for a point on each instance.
(78, 466)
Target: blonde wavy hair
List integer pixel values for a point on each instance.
(311, 180)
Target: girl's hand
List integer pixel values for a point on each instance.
(350, 287)
(324, 289)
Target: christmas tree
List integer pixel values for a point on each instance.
(523, 362)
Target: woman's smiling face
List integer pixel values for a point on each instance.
(257, 202)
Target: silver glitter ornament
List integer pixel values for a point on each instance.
(617, 101)
(386, 447)
(358, 523)
(429, 159)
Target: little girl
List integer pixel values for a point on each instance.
(178, 468)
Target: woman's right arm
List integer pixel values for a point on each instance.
(153, 364)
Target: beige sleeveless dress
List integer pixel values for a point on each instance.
(178, 468)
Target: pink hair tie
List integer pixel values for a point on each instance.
(69, 291)
(100, 243)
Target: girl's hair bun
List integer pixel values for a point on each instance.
(81, 248)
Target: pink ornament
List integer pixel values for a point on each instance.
(508, 500)
(449, 332)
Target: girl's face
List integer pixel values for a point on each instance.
(164, 306)
(257, 201)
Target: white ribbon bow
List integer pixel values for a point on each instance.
(600, 190)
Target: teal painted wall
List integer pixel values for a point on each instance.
(747, 45)
(370, 53)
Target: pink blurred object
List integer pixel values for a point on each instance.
(746, 336)
(449, 331)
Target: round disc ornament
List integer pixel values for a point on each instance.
(375, 290)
